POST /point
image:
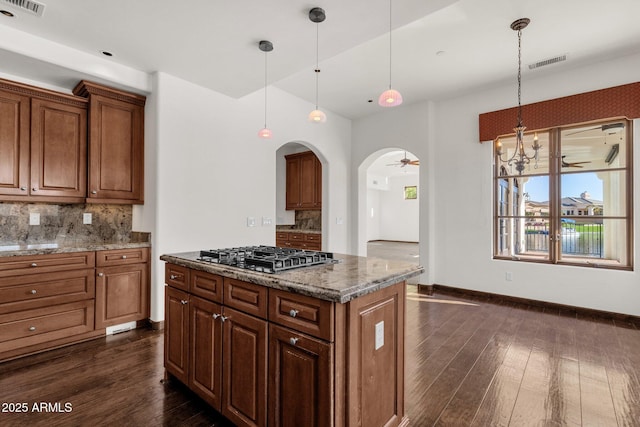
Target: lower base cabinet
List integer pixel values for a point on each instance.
(294, 361)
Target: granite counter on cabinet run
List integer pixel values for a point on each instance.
(322, 345)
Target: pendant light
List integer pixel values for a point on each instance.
(520, 158)
(390, 97)
(265, 46)
(317, 15)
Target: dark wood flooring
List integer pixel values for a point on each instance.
(469, 362)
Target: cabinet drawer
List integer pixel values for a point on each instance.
(247, 297)
(302, 313)
(282, 235)
(41, 290)
(28, 264)
(40, 325)
(122, 256)
(176, 276)
(310, 246)
(312, 237)
(206, 285)
(294, 237)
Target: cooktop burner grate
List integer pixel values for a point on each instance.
(266, 259)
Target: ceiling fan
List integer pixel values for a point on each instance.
(405, 161)
(572, 164)
(609, 128)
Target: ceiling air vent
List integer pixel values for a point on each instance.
(30, 6)
(548, 62)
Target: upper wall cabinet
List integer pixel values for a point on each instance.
(43, 148)
(116, 144)
(304, 181)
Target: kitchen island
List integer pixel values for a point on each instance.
(316, 346)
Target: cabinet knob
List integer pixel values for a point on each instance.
(215, 316)
(34, 189)
(183, 302)
(23, 188)
(100, 274)
(32, 328)
(33, 264)
(33, 292)
(124, 257)
(293, 313)
(94, 192)
(173, 277)
(223, 318)
(293, 341)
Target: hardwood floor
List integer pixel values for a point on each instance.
(470, 361)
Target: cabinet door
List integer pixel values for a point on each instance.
(318, 184)
(14, 144)
(116, 151)
(176, 333)
(245, 369)
(300, 379)
(293, 183)
(308, 181)
(205, 373)
(122, 294)
(58, 150)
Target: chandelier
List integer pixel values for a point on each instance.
(520, 158)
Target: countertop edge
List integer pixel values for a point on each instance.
(81, 247)
(276, 281)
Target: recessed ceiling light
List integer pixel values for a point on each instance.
(7, 13)
(371, 100)
(106, 53)
(440, 53)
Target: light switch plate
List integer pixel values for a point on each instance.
(266, 221)
(34, 218)
(251, 221)
(86, 218)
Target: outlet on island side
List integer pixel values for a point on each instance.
(508, 276)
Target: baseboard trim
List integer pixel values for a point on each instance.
(156, 326)
(451, 290)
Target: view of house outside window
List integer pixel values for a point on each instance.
(571, 208)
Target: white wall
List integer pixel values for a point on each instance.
(399, 218)
(213, 171)
(460, 187)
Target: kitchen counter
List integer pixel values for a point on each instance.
(349, 278)
(56, 248)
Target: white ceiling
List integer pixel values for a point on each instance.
(214, 43)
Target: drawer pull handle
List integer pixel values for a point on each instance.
(223, 318)
(215, 316)
(293, 313)
(32, 328)
(100, 274)
(293, 341)
(124, 257)
(173, 277)
(94, 192)
(183, 302)
(23, 188)
(33, 264)
(33, 292)
(34, 189)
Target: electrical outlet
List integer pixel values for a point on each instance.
(34, 218)
(251, 221)
(508, 276)
(339, 220)
(86, 218)
(266, 221)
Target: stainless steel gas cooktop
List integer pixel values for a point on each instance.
(266, 259)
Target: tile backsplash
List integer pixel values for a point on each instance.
(64, 223)
(305, 220)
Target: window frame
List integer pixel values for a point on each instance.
(555, 215)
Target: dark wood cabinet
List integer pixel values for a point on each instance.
(176, 333)
(122, 286)
(116, 144)
(303, 182)
(43, 145)
(300, 385)
(291, 239)
(14, 143)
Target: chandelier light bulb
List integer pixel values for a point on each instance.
(317, 116)
(390, 98)
(265, 133)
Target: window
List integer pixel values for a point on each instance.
(410, 192)
(574, 207)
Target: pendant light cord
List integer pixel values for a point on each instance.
(390, 44)
(265, 89)
(317, 70)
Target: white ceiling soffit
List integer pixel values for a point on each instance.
(441, 48)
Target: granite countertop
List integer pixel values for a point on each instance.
(298, 230)
(19, 249)
(343, 281)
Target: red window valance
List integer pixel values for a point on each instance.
(618, 101)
